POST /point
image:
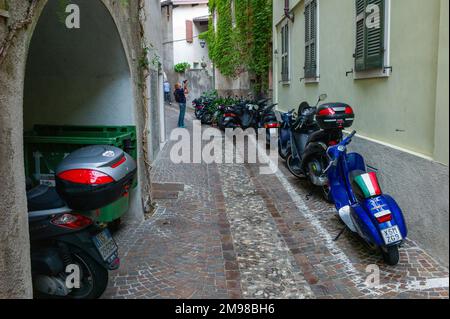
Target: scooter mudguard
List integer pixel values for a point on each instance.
(83, 241)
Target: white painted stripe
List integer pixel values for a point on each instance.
(303, 209)
(382, 213)
(429, 284)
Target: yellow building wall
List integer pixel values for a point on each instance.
(399, 110)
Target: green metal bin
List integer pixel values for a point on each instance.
(47, 145)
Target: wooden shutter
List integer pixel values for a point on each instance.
(189, 31)
(285, 52)
(311, 39)
(369, 50)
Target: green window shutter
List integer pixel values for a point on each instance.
(311, 39)
(369, 51)
(285, 52)
(375, 41)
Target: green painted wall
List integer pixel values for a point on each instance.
(399, 110)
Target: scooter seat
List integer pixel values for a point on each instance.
(43, 198)
(364, 184)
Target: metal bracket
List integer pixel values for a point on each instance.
(349, 72)
(388, 68)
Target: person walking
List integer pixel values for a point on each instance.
(180, 97)
(167, 92)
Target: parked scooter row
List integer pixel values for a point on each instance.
(312, 142)
(235, 112)
(70, 253)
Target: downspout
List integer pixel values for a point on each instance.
(287, 12)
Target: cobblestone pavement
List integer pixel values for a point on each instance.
(225, 231)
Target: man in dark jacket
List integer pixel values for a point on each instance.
(180, 97)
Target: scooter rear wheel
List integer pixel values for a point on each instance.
(391, 255)
(95, 278)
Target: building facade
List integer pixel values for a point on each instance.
(183, 22)
(389, 60)
(87, 75)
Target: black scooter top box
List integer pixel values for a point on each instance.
(332, 116)
(94, 177)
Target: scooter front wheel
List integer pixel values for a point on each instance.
(391, 255)
(294, 169)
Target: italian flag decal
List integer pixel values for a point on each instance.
(369, 184)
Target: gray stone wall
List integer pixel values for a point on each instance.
(421, 188)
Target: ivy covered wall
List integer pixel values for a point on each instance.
(240, 38)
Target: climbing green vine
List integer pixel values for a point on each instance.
(240, 39)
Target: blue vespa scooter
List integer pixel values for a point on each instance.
(284, 134)
(361, 205)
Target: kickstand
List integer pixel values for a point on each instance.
(340, 233)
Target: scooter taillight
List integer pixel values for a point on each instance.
(272, 125)
(383, 217)
(229, 115)
(86, 176)
(71, 221)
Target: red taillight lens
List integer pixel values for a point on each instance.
(333, 143)
(229, 115)
(72, 221)
(271, 125)
(327, 112)
(86, 176)
(384, 218)
(348, 110)
(120, 162)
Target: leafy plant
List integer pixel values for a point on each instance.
(244, 44)
(182, 67)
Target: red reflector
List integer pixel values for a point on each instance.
(272, 125)
(332, 143)
(120, 162)
(327, 111)
(384, 219)
(348, 110)
(229, 115)
(72, 221)
(86, 176)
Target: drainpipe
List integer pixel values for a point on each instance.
(287, 12)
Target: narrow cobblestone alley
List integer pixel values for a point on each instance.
(225, 231)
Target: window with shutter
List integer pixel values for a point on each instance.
(285, 52)
(370, 35)
(311, 40)
(189, 31)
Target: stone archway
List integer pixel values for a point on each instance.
(15, 276)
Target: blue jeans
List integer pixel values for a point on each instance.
(182, 114)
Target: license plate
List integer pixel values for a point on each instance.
(392, 235)
(106, 245)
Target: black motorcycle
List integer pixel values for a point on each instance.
(308, 158)
(66, 244)
(70, 253)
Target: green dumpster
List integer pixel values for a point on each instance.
(47, 145)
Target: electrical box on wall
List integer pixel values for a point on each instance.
(4, 9)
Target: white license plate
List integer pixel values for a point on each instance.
(105, 244)
(392, 235)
